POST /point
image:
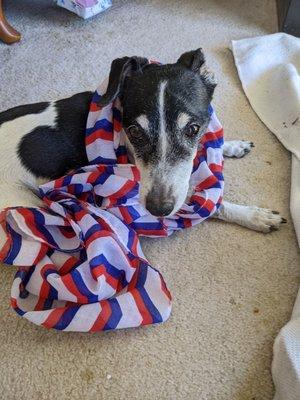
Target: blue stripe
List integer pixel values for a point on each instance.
(133, 212)
(96, 97)
(121, 151)
(19, 311)
(131, 236)
(142, 275)
(147, 225)
(215, 144)
(81, 286)
(219, 176)
(66, 318)
(15, 247)
(48, 303)
(39, 220)
(102, 160)
(100, 124)
(202, 211)
(67, 180)
(117, 114)
(116, 315)
(94, 228)
(101, 178)
(116, 273)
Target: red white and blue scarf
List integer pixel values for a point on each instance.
(80, 263)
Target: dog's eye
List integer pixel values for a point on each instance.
(135, 132)
(193, 129)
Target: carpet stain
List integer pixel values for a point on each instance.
(87, 375)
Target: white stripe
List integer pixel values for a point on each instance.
(84, 318)
(131, 316)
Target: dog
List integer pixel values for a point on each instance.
(165, 112)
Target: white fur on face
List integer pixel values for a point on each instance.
(143, 121)
(162, 121)
(182, 120)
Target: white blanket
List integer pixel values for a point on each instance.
(269, 69)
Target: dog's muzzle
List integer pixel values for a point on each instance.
(159, 203)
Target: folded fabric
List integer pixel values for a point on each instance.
(269, 69)
(85, 8)
(81, 266)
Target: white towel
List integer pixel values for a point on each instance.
(269, 68)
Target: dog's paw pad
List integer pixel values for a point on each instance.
(237, 148)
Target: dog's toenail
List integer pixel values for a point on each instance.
(252, 144)
(283, 221)
(275, 212)
(273, 228)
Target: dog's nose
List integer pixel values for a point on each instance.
(159, 209)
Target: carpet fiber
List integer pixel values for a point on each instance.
(232, 288)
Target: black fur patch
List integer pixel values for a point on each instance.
(20, 111)
(52, 151)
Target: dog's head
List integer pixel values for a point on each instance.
(165, 112)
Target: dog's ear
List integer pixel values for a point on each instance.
(195, 61)
(119, 70)
(192, 60)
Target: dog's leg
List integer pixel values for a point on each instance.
(258, 219)
(236, 148)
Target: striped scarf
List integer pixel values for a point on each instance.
(80, 263)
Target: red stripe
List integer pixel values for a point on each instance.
(103, 317)
(117, 126)
(209, 205)
(151, 232)
(99, 134)
(94, 107)
(127, 187)
(147, 318)
(7, 245)
(207, 183)
(136, 174)
(215, 167)
(125, 214)
(198, 199)
(80, 214)
(100, 270)
(13, 302)
(122, 159)
(67, 232)
(68, 265)
(208, 136)
(29, 221)
(54, 317)
(93, 176)
(96, 235)
(164, 288)
(134, 245)
(187, 222)
(67, 280)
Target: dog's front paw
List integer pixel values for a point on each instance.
(264, 220)
(236, 148)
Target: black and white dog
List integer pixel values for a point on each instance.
(165, 112)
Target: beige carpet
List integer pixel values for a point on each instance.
(232, 288)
